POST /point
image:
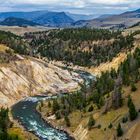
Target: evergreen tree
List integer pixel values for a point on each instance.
(67, 121)
(119, 130)
(91, 122)
(129, 101)
(133, 87)
(132, 111)
(49, 104)
(101, 101)
(117, 94)
(58, 115)
(55, 106)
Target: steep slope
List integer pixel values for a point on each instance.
(23, 77)
(102, 130)
(137, 24)
(11, 21)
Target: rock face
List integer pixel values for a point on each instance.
(30, 76)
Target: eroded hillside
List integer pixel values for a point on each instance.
(25, 76)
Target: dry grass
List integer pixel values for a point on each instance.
(133, 29)
(113, 116)
(3, 48)
(17, 131)
(121, 57)
(21, 30)
(22, 134)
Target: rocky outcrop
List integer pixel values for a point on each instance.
(29, 76)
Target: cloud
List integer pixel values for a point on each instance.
(69, 2)
(75, 6)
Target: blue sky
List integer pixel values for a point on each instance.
(95, 7)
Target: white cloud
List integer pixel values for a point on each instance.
(84, 6)
(74, 1)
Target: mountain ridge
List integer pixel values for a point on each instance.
(66, 19)
(12, 21)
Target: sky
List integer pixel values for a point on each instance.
(94, 7)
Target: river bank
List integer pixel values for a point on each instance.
(52, 124)
(25, 112)
(19, 129)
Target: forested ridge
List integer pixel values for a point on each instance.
(14, 42)
(84, 47)
(127, 74)
(108, 87)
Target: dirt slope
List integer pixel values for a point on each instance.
(29, 76)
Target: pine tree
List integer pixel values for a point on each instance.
(133, 87)
(49, 104)
(55, 106)
(129, 101)
(132, 111)
(91, 122)
(117, 94)
(119, 130)
(67, 121)
(101, 101)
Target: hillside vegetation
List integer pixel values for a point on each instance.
(106, 110)
(84, 47)
(86, 110)
(14, 42)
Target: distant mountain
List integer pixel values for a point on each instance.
(47, 18)
(77, 17)
(25, 15)
(136, 25)
(84, 23)
(62, 19)
(123, 20)
(57, 19)
(12, 21)
(80, 23)
(105, 16)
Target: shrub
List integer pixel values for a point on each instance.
(99, 126)
(124, 119)
(58, 115)
(90, 109)
(110, 126)
(133, 87)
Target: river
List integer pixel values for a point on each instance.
(25, 112)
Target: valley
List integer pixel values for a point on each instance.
(68, 83)
(22, 30)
